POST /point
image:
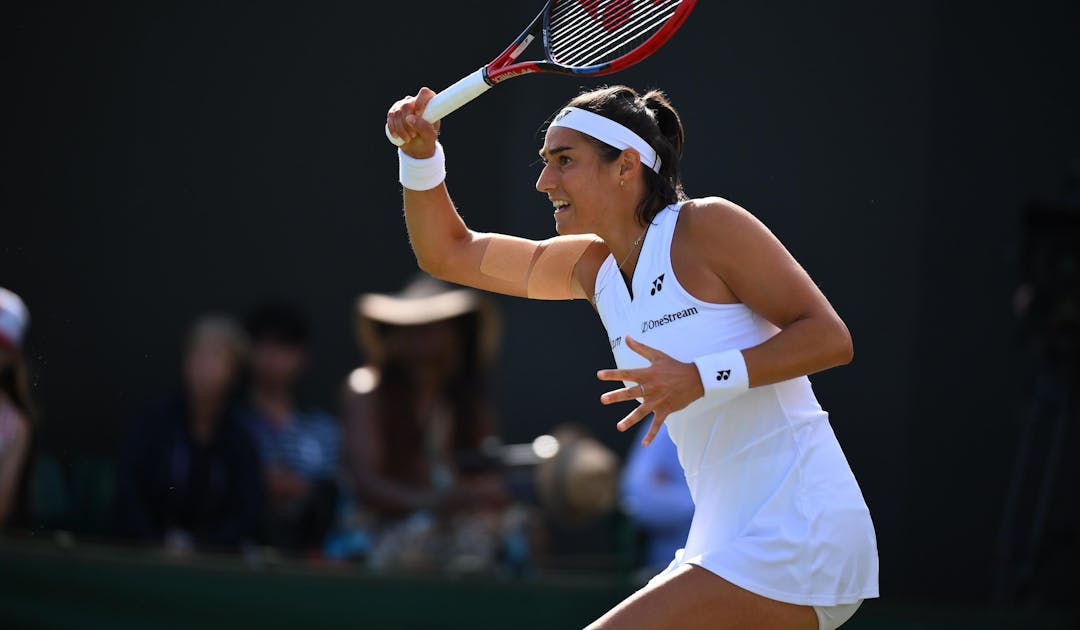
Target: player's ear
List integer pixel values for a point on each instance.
(628, 160)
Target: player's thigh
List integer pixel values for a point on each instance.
(691, 597)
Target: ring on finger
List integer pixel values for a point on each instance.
(642, 388)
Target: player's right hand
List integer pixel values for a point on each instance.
(405, 120)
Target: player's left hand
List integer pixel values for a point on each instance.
(666, 386)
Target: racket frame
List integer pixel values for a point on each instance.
(505, 65)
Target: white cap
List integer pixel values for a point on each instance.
(14, 318)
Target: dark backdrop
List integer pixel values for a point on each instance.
(166, 159)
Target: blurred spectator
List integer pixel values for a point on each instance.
(656, 497)
(299, 448)
(16, 408)
(578, 482)
(418, 420)
(189, 473)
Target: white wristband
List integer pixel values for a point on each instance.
(723, 375)
(422, 174)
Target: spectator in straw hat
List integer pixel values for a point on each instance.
(16, 408)
(417, 420)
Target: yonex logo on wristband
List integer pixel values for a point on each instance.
(723, 375)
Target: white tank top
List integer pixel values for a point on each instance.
(777, 509)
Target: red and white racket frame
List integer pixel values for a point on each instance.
(506, 66)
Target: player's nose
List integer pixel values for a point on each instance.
(546, 181)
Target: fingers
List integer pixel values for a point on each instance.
(420, 127)
(634, 417)
(621, 395)
(654, 429)
(619, 375)
(395, 118)
(422, 99)
(405, 120)
(650, 353)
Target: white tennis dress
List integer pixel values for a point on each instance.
(777, 509)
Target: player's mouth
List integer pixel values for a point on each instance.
(560, 205)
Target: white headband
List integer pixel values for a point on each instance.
(608, 131)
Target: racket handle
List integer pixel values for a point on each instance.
(450, 99)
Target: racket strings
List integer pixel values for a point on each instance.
(584, 42)
(585, 33)
(635, 32)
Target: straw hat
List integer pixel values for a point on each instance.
(14, 318)
(425, 300)
(580, 483)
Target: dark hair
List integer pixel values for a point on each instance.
(279, 321)
(652, 117)
(465, 391)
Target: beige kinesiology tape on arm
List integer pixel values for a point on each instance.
(546, 267)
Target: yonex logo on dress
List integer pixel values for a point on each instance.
(649, 324)
(657, 285)
(616, 342)
(723, 375)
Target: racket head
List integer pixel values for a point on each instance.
(592, 37)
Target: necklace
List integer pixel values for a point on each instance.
(633, 248)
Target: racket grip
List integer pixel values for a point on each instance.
(450, 99)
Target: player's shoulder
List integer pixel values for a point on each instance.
(586, 240)
(709, 218)
(593, 250)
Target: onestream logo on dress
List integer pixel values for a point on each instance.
(664, 320)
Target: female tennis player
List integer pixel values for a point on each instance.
(714, 327)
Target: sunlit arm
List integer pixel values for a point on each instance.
(761, 273)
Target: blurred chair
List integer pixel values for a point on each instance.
(50, 500)
(93, 489)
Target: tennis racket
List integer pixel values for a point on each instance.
(579, 37)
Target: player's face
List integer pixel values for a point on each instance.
(581, 186)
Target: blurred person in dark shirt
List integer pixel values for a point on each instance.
(417, 420)
(189, 473)
(299, 447)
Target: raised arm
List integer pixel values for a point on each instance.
(559, 268)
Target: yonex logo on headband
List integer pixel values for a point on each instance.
(608, 131)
